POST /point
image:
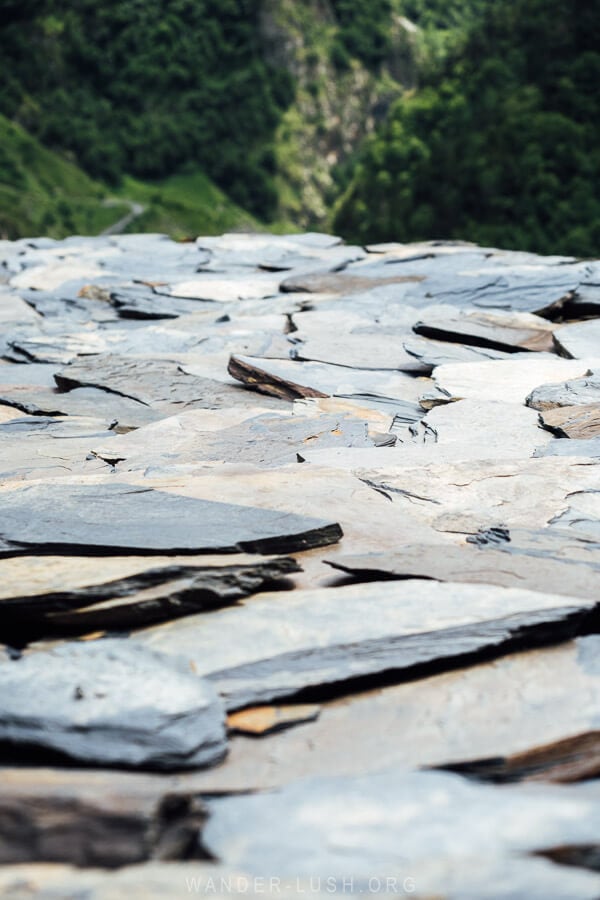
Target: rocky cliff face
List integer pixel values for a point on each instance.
(338, 102)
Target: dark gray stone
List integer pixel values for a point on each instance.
(49, 595)
(314, 638)
(97, 819)
(111, 703)
(126, 518)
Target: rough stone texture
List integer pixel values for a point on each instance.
(507, 720)
(578, 392)
(49, 595)
(449, 563)
(579, 339)
(93, 818)
(580, 423)
(315, 827)
(131, 451)
(309, 639)
(509, 332)
(120, 517)
(111, 703)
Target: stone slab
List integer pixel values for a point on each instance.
(111, 703)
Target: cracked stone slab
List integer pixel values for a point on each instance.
(443, 562)
(156, 383)
(369, 521)
(579, 339)
(263, 440)
(582, 514)
(112, 517)
(510, 381)
(293, 380)
(288, 643)
(454, 432)
(431, 354)
(52, 594)
(359, 351)
(509, 719)
(552, 543)
(112, 408)
(579, 422)
(41, 447)
(93, 819)
(576, 392)
(508, 332)
(397, 822)
(464, 497)
(111, 703)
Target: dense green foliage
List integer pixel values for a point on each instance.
(502, 146)
(145, 86)
(364, 31)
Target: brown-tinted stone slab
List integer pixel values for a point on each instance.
(465, 496)
(510, 719)
(260, 720)
(509, 332)
(290, 642)
(295, 380)
(97, 819)
(579, 422)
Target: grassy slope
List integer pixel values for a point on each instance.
(185, 205)
(42, 193)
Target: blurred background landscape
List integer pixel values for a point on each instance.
(377, 119)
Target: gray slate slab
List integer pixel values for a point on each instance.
(157, 383)
(577, 392)
(589, 447)
(126, 518)
(111, 703)
(446, 562)
(523, 725)
(579, 339)
(394, 822)
(266, 440)
(309, 639)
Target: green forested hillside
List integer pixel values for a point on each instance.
(501, 145)
(400, 119)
